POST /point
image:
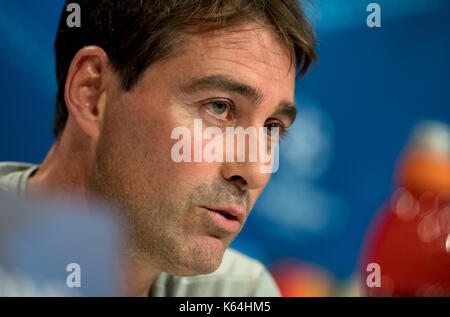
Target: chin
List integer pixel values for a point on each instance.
(204, 257)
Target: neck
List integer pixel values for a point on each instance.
(63, 171)
(64, 168)
(138, 277)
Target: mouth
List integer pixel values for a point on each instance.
(225, 217)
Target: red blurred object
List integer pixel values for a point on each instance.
(410, 237)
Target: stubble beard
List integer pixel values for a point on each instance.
(154, 222)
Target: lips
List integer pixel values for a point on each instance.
(228, 218)
(230, 212)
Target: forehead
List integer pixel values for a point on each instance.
(250, 52)
(247, 54)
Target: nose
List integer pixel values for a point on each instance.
(247, 159)
(245, 175)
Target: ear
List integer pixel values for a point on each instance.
(84, 89)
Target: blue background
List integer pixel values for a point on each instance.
(358, 107)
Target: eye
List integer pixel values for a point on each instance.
(220, 109)
(271, 128)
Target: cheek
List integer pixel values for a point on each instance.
(254, 194)
(150, 126)
(191, 170)
(153, 148)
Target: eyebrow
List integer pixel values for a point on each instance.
(224, 83)
(229, 84)
(287, 109)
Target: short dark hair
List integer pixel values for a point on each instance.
(137, 33)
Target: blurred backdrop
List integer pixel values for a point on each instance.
(316, 221)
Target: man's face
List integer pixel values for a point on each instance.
(240, 77)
